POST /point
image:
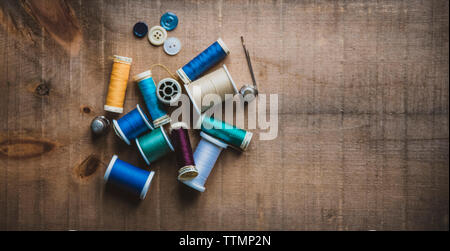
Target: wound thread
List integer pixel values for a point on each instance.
(203, 62)
(154, 145)
(205, 156)
(230, 134)
(218, 82)
(118, 84)
(148, 91)
(183, 150)
(131, 125)
(128, 177)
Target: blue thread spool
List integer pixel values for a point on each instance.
(128, 177)
(203, 62)
(131, 125)
(154, 106)
(205, 156)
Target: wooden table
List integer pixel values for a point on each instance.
(363, 133)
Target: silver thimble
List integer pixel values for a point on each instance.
(249, 92)
(100, 125)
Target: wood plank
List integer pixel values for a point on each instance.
(363, 115)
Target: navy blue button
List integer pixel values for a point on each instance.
(169, 21)
(140, 29)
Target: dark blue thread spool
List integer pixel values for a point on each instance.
(203, 62)
(131, 125)
(128, 177)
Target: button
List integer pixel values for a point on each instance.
(157, 35)
(169, 21)
(172, 46)
(140, 29)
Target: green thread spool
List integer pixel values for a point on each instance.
(154, 145)
(236, 137)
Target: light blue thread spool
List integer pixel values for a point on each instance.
(148, 91)
(128, 177)
(205, 156)
(203, 62)
(131, 125)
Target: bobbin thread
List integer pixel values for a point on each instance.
(118, 84)
(129, 177)
(203, 62)
(205, 156)
(148, 91)
(154, 145)
(218, 82)
(183, 150)
(168, 91)
(237, 138)
(131, 125)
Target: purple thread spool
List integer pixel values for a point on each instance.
(183, 151)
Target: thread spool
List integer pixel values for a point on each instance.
(183, 150)
(218, 82)
(128, 177)
(154, 145)
(118, 84)
(148, 91)
(131, 125)
(203, 62)
(205, 156)
(168, 90)
(238, 138)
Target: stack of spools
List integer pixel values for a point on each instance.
(151, 139)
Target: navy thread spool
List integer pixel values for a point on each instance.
(205, 156)
(128, 177)
(148, 91)
(203, 62)
(131, 125)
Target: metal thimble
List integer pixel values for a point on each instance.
(100, 125)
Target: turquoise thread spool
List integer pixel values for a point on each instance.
(154, 106)
(154, 145)
(238, 138)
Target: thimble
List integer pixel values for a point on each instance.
(100, 125)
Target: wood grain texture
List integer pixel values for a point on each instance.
(363, 129)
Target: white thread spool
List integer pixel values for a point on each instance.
(168, 90)
(205, 156)
(217, 82)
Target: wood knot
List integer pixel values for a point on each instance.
(86, 109)
(24, 148)
(43, 89)
(87, 167)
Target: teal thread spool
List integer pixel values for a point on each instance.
(236, 137)
(154, 145)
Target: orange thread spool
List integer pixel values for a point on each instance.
(118, 84)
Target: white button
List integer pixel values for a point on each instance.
(172, 46)
(157, 35)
